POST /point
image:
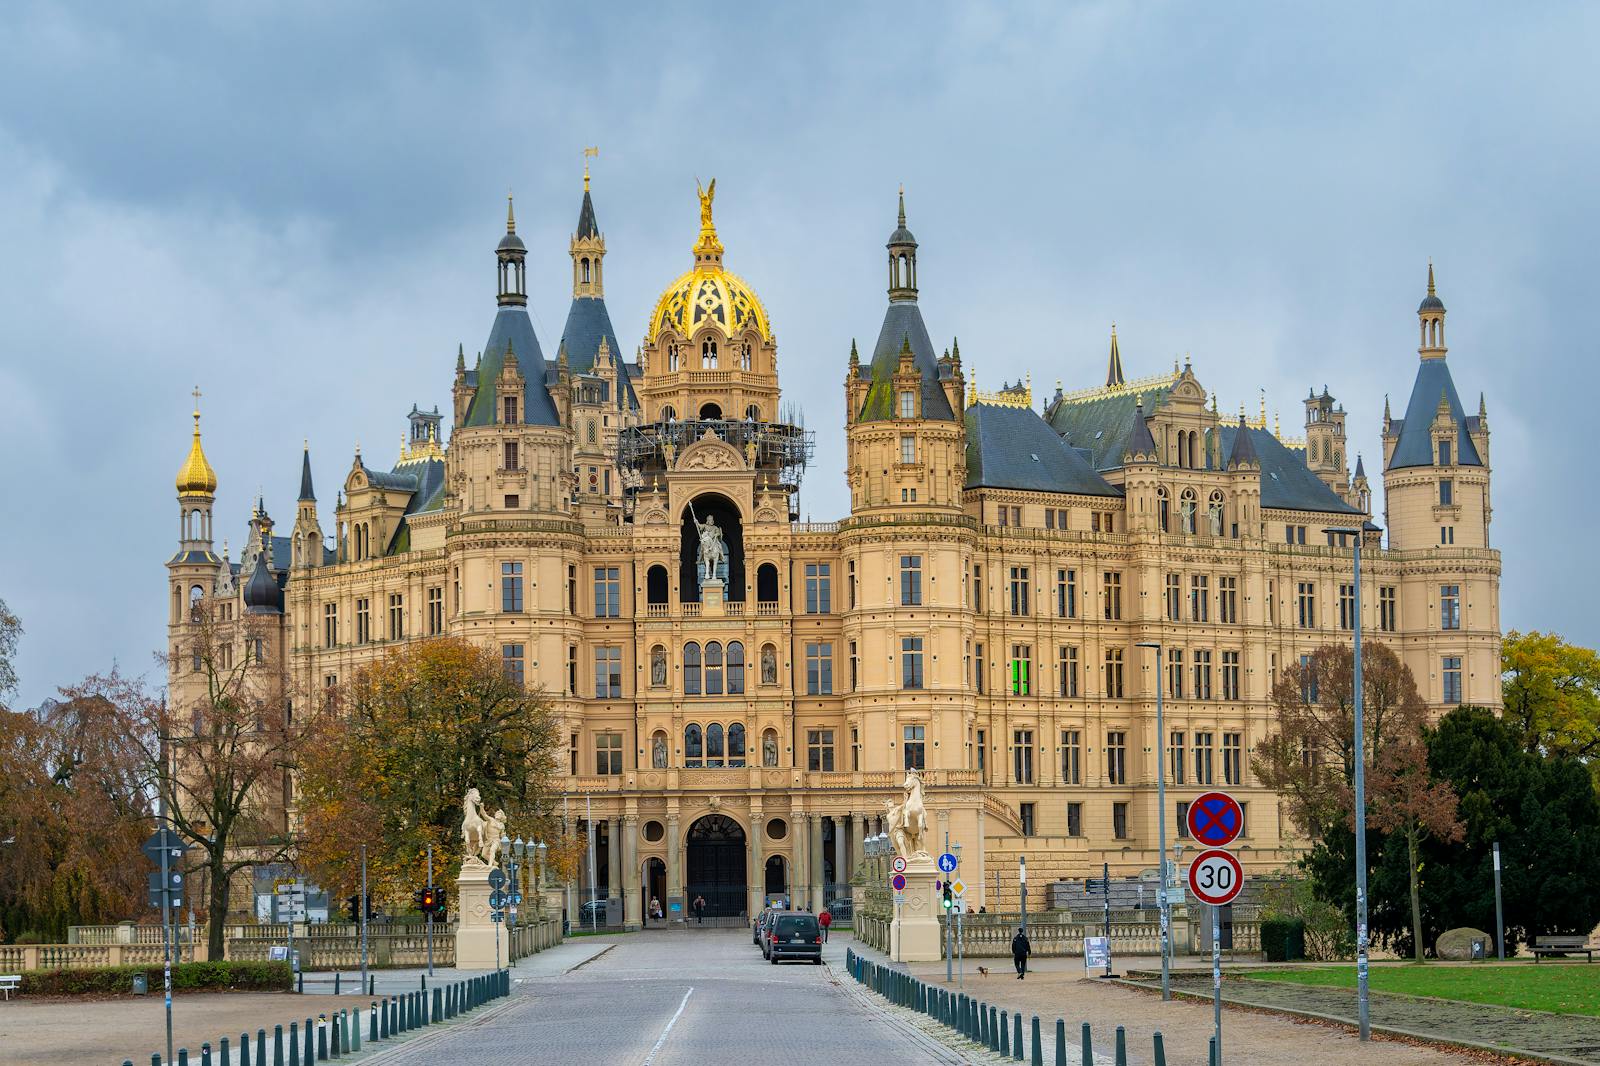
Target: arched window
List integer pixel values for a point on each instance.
(714, 744)
(1195, 458)
(1164, 510)
(691, 669)
(744, 356)
(708, 355)
(1188, 507)
(766, 583)
(711, 413)
(735, 668)
(736, 744)
(752, 413)
(196, 595)
(585, 264)
(669, 413)
(656, 584)
(693, 754)
(714, 669)
(1214, 514)
(672, 358)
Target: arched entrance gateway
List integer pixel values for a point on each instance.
(716, 867)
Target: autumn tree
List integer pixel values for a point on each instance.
(392, 757)
(1551, 691)
(219, 756)
(10, 634)
(1408, 804)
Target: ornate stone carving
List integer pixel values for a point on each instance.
(907, 822)
(480, 832)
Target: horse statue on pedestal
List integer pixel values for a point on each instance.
(907, 822)
(480, 832)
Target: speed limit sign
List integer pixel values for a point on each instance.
(1215, 877)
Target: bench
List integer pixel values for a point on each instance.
(1562, 944)
(10, 982)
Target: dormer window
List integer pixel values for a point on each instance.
(908, 404)
(508, 410)
(1444, 453)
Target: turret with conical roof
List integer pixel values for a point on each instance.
(306, 540)
(512, 329)
(1114, 376)
(903, 327)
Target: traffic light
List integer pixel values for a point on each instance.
(352, 907)
(416, 898)
(949, 898)
(429, 901)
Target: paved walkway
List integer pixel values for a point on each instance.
(1573, 1037)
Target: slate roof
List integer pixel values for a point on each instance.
(1013, 448)
(1103, 425)
(1286, 483)
(427, 479)
(1415, 446)
(512, 326)
(587, 227)
(587, 322)
(306, 492)
(902, 322)
(1244, 449)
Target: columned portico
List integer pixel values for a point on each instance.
(818, 867)
(632, 907)
(758, 864)
(613, 866)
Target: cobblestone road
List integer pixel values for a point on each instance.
(682, 999)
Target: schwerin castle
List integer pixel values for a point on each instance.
(977, 616)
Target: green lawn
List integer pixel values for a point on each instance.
(1565, 988)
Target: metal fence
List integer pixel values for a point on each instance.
(1061, 933)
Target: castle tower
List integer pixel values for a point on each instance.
(1325, 440)
(307, 535)
(193, 568)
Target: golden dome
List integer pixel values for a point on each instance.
(195, 477)
(708, 294)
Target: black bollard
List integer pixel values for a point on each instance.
(1161, 1049)
(1213, 1059)
(336, 976)
(1088, 1046)
(300, 982)
(438, 1004)
(1016, 1036)
(277, 1045)
(1005, 1034)
(183, 1056)
(424, 982)
(1037, 1045)
(155, 1060)
(310, 1056)
(335, 1036)
(294, 1044)
(372, 984)
(261, 1047)
(983, 1024)
(222, 1052)
(322, 1038)
(1122, 1046)
(1061, 1043)
(372, 1024)
(382, 1014)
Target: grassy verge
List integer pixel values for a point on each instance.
(1563, 988)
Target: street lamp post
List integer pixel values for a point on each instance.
(1161, 829)
(539, 850)
(1363, 1017)
(1022, 881)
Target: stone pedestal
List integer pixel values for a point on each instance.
(475, 931)
(711, 598)
(914, 934)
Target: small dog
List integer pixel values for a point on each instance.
(983, 970)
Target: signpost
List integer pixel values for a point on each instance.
(1102, 885)
(1215, 877)
(899, 864)
(497, 903)
(899, 882)
(166, 848)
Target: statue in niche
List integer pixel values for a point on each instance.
(769, 665)
(658, 752)
(1216, 519)
(658, 667)
(769, 750)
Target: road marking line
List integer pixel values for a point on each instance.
(648, 1059)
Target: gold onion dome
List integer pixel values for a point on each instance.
(708, 294)
(195, 477)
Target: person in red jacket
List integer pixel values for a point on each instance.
(824, 919)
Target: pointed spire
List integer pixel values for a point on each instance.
(1361, 469)
(903, 208)
(1114, 376)
(461, 359)
(196, 477)
(1141, 445)
(1244, 449)
(306, 492)
(1431, 291)
(511, 215)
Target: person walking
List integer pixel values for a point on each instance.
(1020, 950)
(655, 907)
(824, 919)
(699, 910)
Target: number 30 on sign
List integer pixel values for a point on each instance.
(1215, 877)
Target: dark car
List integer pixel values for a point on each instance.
(592, 913)
(764, 927)
(794, 935)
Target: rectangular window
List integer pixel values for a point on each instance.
(1071, 757)
(1074, 819)
(1444, 453)
(819, 589)
(572, 671)
(1347, 606)
(1199, 598)
(980, 751)
(1447, 534)
(819, 669)
(1175, 759)
(435, 611)
(511, 663)
(1174, 598)
(1175, 674)
(1183, 820)
(1230, 675)
(1388, 603)
(1446, 492)
(397, 616)
(1005, 516)
(363, 620)
(1022, 757)
(1202, 758)
(1066, 593)
(1114, 673)
(908, 448)
(978, 680)
(1306, 601)
(572, 591)
(1117, 758)
(1068, 668)
(819, 750)
(508, 415)
(1113, 604)
(1119, 821)
(911, 662)
(1202, 675)
(511, 587)
(977, 590)
(607, 592)
(1308, 680)
(911, 581)
(1025, 815)
(1228, 600)
(1232, 759)
(330, 624)
(1449, 606)
(855, 667)
(850, 585)
(908, 404)
(608, 754)
(1451, 674)
(513, 502)
(1021, 669)
(510, 459)
(608, 673)
(1019, 591)
(913, 739)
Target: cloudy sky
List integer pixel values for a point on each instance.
(295, 206)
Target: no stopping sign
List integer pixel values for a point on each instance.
(1215, 877)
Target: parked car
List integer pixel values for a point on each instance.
(764, 927)
(756, 926)
(795, 935)
(592, 914)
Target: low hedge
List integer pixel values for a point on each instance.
(186, 977)
(1283, 939)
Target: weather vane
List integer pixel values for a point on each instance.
(592, 152)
